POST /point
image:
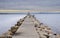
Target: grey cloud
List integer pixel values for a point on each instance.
(30, 4)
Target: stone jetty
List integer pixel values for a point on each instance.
(29, 27)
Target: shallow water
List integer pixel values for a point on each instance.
(8, 20)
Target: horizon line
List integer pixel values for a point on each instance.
(14, 11)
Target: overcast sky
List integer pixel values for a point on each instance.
(30, 4)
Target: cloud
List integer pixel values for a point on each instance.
(30, 4)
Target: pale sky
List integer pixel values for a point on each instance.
(43, 5)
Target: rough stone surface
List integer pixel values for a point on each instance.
(30, 27)
(27, 29)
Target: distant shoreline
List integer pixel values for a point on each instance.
(31, 13)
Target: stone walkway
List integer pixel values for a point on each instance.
(26, 30)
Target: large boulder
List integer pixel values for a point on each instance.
(10, 32)
(14, 29)
(21, 20)
(2, 36)
(19, 23)
(36, 25)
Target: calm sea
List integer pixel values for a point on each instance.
(9, 20)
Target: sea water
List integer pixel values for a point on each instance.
(9, 20)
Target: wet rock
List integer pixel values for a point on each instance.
(10, 32)
(9, 36)
(47, 36)
(46, 32)
(2, 36)
(36, 25)
(14, 29)
(57, 35)
(6, 36)
(42, 36)
(21, 20)
(19, 23)
(24, 17)
(41, 23)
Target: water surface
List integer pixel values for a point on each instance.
(52, 20)
(8, 20)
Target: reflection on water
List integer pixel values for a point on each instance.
(8, 20)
